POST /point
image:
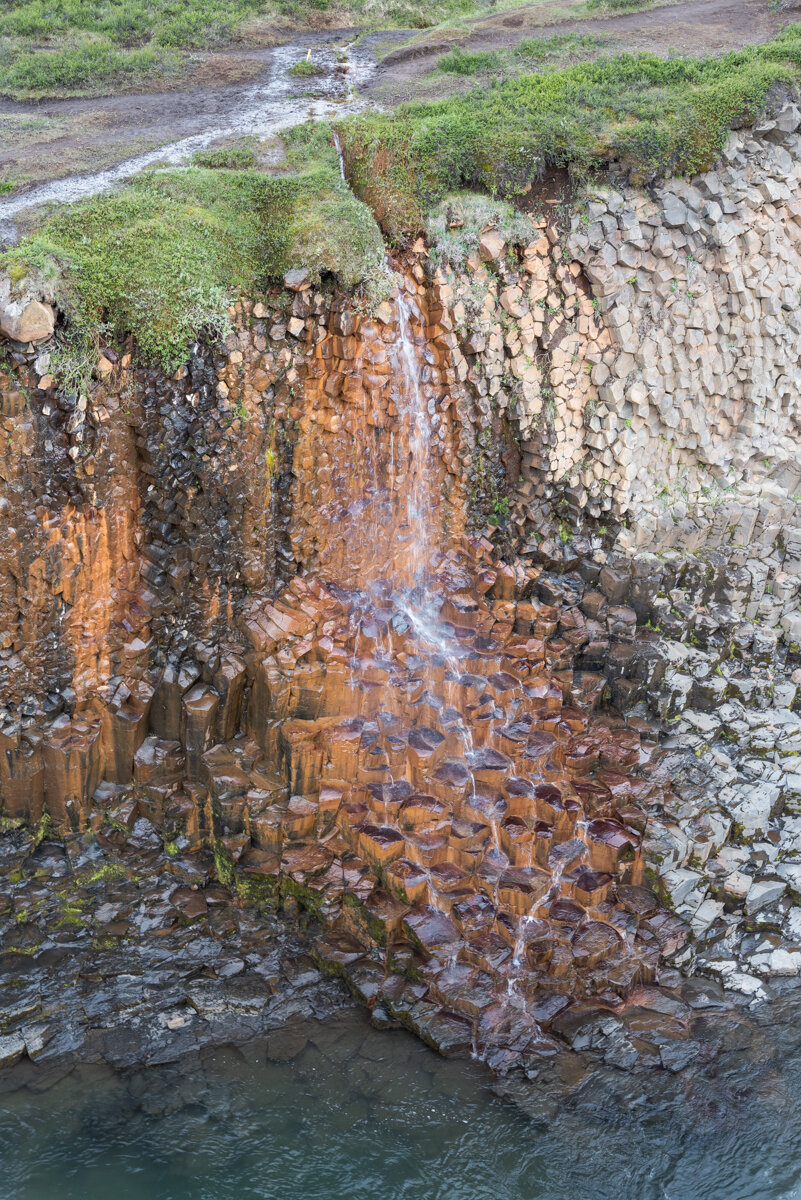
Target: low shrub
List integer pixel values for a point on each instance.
(470, 62)
(77, 70)
(163, 257)
(655, 116)
(559, 48)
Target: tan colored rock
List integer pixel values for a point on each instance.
(297, 280)
(491, 245)
(32, 322)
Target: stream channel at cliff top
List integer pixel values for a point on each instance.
(337, 1109)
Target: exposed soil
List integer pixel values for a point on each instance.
(57, 138)
(692, 27)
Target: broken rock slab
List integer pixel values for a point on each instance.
(25, 312)
(763, 893)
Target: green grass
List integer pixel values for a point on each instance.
(469, 62)
(304, 69)
(163, 257)
(657, 117)
(84, 47)
(200, 23)
(192, 23)
(386, 14)
(236, 158)
(79, 70)
(559, 49)
(615, 6)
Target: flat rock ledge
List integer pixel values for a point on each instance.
(113, 951)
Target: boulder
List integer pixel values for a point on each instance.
(32, 323)
(27, 313)
(491, 245)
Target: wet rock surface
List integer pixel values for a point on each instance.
(114, 951)
(455, 812)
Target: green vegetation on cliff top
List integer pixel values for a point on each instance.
(656, 117)
(162, 257)
(557, 50)
(79, 47)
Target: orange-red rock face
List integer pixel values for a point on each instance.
(141, 517)
(452, 805)
(248, 588)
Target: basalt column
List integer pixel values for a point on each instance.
(426, 771)
(376, 487)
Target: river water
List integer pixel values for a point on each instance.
(341, 1111)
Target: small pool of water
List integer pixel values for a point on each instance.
(340, 1111)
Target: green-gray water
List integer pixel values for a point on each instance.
(358, 1114)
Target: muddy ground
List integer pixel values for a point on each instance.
(57, 138)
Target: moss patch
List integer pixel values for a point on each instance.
(654, 116)
(163, 257)
(107, 873)
(305, 69)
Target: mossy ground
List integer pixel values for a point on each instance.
(653, 116)
(162, 258)
(559, 49)
(91, 47)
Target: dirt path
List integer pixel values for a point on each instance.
(54, 140)
(691, 27)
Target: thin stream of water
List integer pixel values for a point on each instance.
(264, 109)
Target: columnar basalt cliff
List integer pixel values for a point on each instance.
(255, 601)
(646, 346)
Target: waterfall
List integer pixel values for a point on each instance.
(443, 730)
(418, 520)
